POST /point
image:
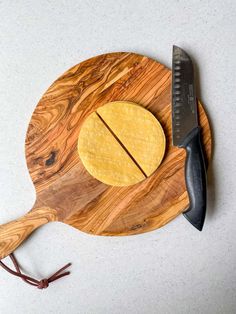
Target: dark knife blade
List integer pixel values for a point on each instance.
(184, 106)
(186, 134)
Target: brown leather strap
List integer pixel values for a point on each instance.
(40, 284)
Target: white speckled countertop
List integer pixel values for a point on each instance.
(172, 270)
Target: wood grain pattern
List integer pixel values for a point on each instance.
(60, 180)
(15, 232)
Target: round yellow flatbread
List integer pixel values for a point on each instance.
(121, 143)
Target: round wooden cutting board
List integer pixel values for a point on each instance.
(61, 181)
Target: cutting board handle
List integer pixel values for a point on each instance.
(12, 234)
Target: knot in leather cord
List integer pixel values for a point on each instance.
(40, 284)
(43, 284)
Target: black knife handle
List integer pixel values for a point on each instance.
(195, 178)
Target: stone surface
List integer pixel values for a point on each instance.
(174, 269)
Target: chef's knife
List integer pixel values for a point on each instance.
(186, 134)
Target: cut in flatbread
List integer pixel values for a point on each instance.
(103, 156)
(138, 130)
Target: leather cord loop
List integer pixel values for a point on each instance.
(40, 284)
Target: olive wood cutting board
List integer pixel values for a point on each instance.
(65, 191)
